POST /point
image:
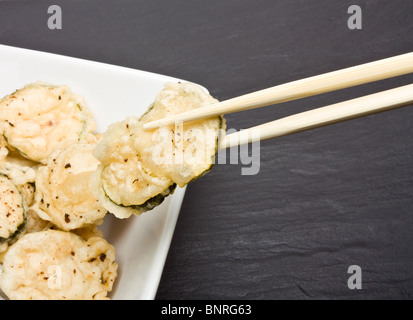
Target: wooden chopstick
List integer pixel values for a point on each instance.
(346, 110)
(361, 74)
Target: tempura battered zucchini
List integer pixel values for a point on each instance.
(139, 168)
(41, 117)
(182, 152)
(63, 193)
(58, 265)
(12, 211)
(121, 183)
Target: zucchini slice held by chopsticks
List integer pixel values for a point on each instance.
(139, 168)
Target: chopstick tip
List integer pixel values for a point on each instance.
(150, 125)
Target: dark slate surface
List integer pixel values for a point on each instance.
(324, 199)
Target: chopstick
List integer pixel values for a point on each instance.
(357, 75)
(374, 103)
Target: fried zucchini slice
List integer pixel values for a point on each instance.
(184, 151)
(12, 211)
(63, 191)
(139, 168)
(121, 182)
(58, 265)
(40, 117)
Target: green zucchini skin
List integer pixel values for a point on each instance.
(156, 200)
(150, 203)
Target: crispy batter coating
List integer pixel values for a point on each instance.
(58, 265)
(12, 210)
(41, 117)
(63, 190)
(35, 223)
(20, 170)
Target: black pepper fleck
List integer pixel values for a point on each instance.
(102, 257)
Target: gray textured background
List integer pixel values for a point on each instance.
(324, 199)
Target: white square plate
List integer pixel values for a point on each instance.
(112, 93)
